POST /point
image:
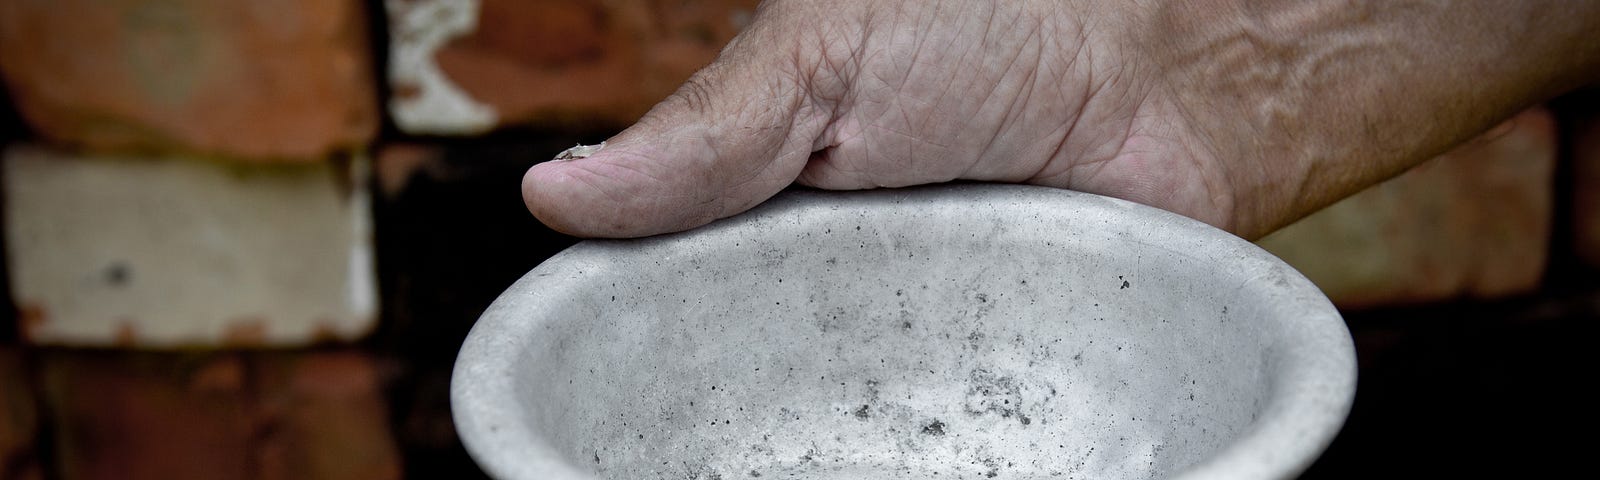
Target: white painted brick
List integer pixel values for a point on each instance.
(169, 252)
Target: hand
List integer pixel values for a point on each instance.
(1245, 118)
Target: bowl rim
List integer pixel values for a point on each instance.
(1310, 392)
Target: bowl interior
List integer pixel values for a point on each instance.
(970, 336)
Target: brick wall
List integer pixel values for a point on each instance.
(245, 241)
(1472, 222)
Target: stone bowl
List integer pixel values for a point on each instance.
(966, 331)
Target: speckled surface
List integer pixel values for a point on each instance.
(968, 331)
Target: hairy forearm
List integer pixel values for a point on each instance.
(1333, 96)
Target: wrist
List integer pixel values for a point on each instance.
(1305, 102)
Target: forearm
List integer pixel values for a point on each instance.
(1338, 95)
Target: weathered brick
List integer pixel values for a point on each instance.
(331, 419)
(19, 419)
(468, 67)
(173, 252)
(148, 416)
(281, 80)
(127, 415)
(1475, 222)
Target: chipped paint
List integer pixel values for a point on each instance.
(431, 103)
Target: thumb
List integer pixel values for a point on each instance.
(728, 139)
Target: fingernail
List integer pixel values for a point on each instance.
(579, 151)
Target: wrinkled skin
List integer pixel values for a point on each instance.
(1230, 116)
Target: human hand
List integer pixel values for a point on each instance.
(1243, 116)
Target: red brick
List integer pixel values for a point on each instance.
(551, 61)
(1473, 222)
(19, 419)
(148, 416)
(286, 80)
(284, 415)
(330, 416)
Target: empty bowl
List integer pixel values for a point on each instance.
(958, 331)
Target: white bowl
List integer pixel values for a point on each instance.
(965, 331)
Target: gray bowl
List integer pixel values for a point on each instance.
(969, 331)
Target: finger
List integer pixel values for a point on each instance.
(734, 135)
